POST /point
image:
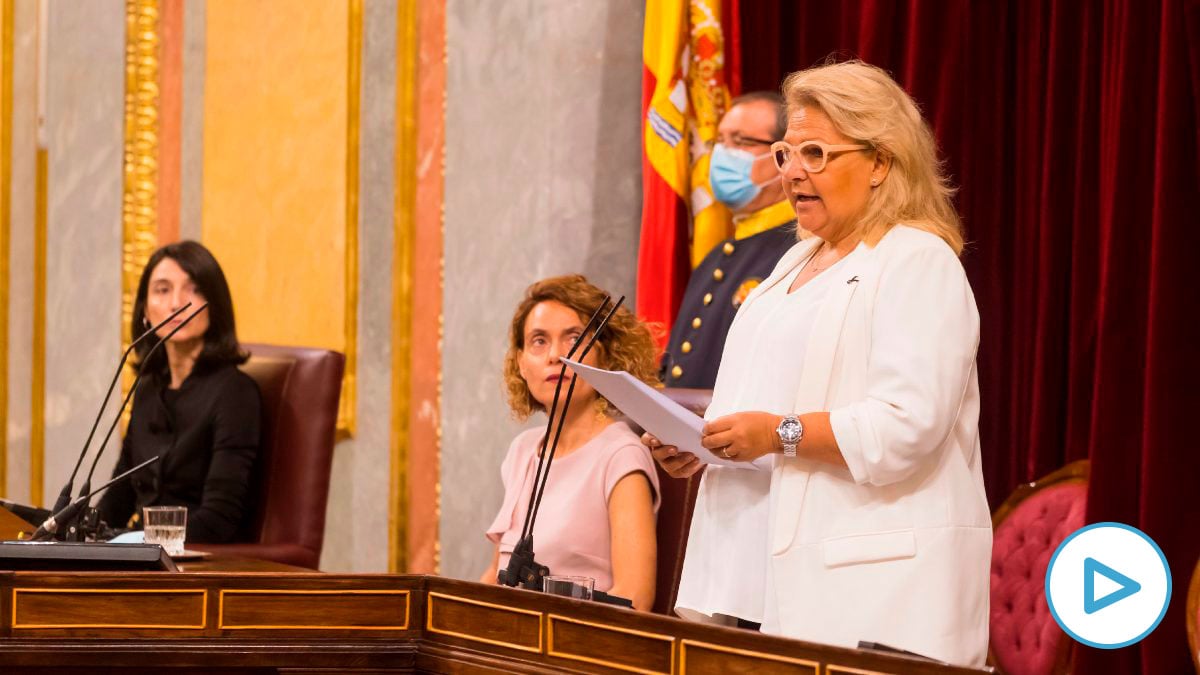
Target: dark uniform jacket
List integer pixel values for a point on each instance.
(715, 291)
(207, 434)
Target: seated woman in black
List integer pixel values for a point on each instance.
(193, 408)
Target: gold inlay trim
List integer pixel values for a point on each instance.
(550, 651)
(73, 591)
(223, 626)
(475, 638)
(847, 670)
(6, 108)
(684, 644)
(139, 204)
(347, 404)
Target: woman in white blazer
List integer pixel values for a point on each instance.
(850, 375)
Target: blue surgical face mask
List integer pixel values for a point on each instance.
(729, 176)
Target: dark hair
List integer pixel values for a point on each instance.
(220, 340)
(773, 98)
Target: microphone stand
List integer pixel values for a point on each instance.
(522, 566)
(91, 518)
(65, 515)
(64, 496)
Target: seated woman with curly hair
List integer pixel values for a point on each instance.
(597, 515)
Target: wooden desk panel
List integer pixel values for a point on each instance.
(302, 622)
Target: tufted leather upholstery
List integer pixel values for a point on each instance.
(1028, 528)
(675, 510)
(300, 390)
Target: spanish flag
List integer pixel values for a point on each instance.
(684, 95)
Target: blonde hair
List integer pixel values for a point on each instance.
(866, 104)
(626, 343)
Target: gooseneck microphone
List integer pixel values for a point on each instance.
(69, 512)
(64, 496)
(522, 566)
(87, 484)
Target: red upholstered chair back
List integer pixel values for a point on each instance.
(1193, 616)
(675, 512)
(1028, 527)
(300, 390)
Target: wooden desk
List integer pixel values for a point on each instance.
(268, 622)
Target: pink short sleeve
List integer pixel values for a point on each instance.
(626, 460)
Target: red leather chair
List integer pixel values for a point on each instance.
(300, 390)
(1193, 616)
(1027, 528)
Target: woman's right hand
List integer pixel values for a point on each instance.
(676, 464)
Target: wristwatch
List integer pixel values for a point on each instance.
(790, 432)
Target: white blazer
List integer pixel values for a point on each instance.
(897, 549)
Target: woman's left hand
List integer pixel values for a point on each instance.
(743, 436)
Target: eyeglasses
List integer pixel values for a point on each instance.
(813, 154)
(740, 141)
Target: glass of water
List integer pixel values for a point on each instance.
(579, 588)
(165, 526)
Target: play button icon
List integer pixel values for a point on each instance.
(1126, 586)
(1108, 585)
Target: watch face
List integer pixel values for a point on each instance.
(789, 430)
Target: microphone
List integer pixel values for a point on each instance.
(30, 514)
(64, 496)
(522, 567)
(112, 427)
(68, 513)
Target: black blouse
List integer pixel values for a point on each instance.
(207, 434)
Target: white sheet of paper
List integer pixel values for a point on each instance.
(670, 422)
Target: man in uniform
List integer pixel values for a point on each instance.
(744, 178)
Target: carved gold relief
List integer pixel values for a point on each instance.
(139, 207)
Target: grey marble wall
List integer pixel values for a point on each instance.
(356, 534)
(543, 177)
(85, 133)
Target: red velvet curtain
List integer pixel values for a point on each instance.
(1071, 129)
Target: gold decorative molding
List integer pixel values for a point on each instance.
(139, 207)
(6, 109)
(551, 619)
(221, 624)
(433, 600)
(696, 645)
(402, 280)
(16, 606)
(348, 403)
(37, 349)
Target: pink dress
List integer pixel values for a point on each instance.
(572, 534)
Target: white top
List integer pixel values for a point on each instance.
(726, 563)
(895, 547)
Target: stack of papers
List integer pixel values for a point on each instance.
(668, 421)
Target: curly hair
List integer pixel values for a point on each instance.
(627, 343)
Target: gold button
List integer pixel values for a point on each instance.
(686, 347)
(696, 322)
(718, 274)
(677, 372)
(728, 248)
(707, 298)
